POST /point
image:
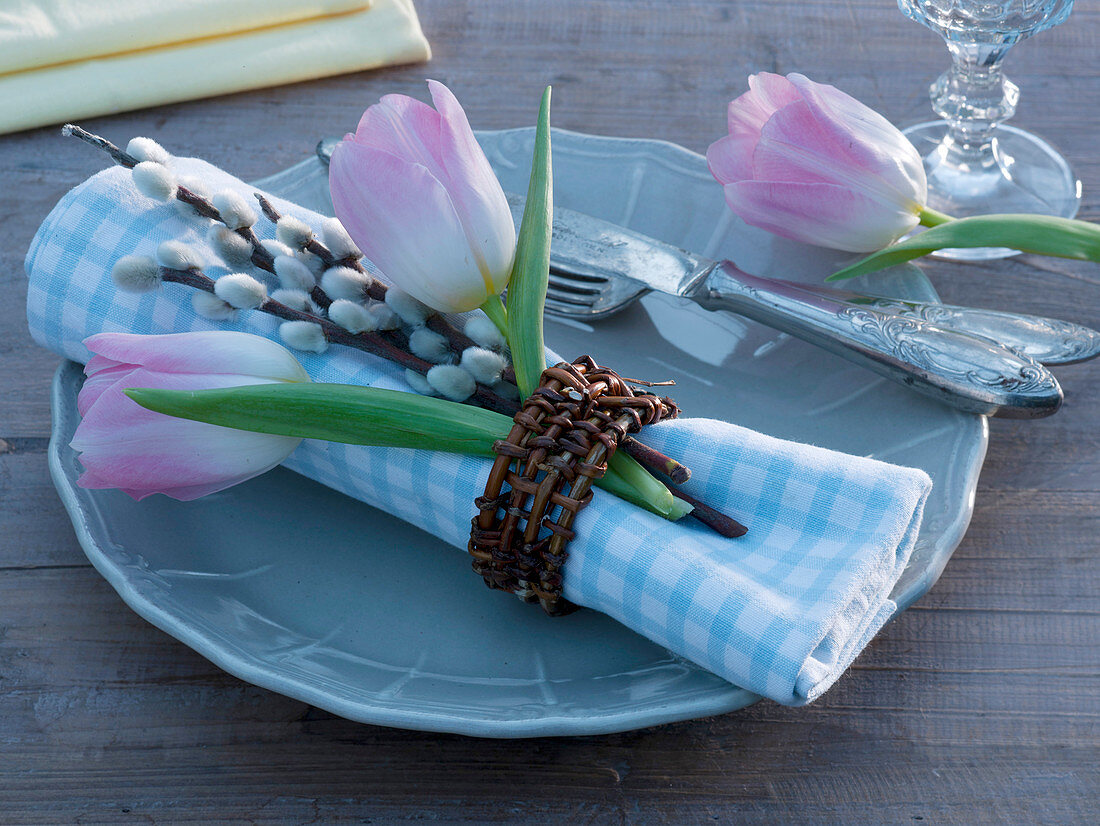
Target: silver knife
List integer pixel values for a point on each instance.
(1049, 341)
(971, 373)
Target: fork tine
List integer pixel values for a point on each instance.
(562, 308)
(573, 289)
(569, 298)
(589, 295)
(560, 272)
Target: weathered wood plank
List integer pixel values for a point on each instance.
(35, 529)
(979, 705)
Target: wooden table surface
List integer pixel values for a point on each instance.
(981, 704)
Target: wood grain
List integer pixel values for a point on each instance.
(981, 704)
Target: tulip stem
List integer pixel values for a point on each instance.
(932, 218)
(494, 308)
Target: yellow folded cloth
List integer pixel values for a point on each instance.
(386, 33)
(36, 33)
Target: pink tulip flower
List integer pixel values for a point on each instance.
(416, 193)
(123, 445)
(808, 162)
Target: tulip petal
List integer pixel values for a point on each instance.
(865, 136)
(477, 195)
(404, 127)
(184, 493)
(97, 363)
(767, 93)
(99, 381)
(796, 146)
(214, 351)
(730, 158)
(792, 147)
(815, 213)
(403, 220)
(124, 445)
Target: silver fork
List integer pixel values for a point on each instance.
(590, 278)
(1050, 341)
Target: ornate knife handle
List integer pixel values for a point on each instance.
(1047, 340)
(967, 372)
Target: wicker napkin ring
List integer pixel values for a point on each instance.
(562, 440)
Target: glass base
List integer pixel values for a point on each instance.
(1022, 173)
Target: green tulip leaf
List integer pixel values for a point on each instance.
(531, 271)
(336, 413)
(386, 418)
(1040, 234)
(526, 297)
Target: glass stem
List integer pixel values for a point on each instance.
(973, 96)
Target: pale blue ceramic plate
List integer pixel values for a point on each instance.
(301, 590)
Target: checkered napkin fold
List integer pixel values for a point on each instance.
(782, 611)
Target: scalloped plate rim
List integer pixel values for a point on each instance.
(253, 670)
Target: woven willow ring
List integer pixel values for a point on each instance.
(563, 438)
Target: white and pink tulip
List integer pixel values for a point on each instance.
(123, 445)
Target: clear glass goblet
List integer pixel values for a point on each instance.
(974, 164)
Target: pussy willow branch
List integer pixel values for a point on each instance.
(260, 256)
(459, 341)
(371, 343)
(727, 526)
(367, 342)
(120, 157)
(334, 333)
(483, 397)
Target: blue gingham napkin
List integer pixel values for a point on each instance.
(782, 611)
